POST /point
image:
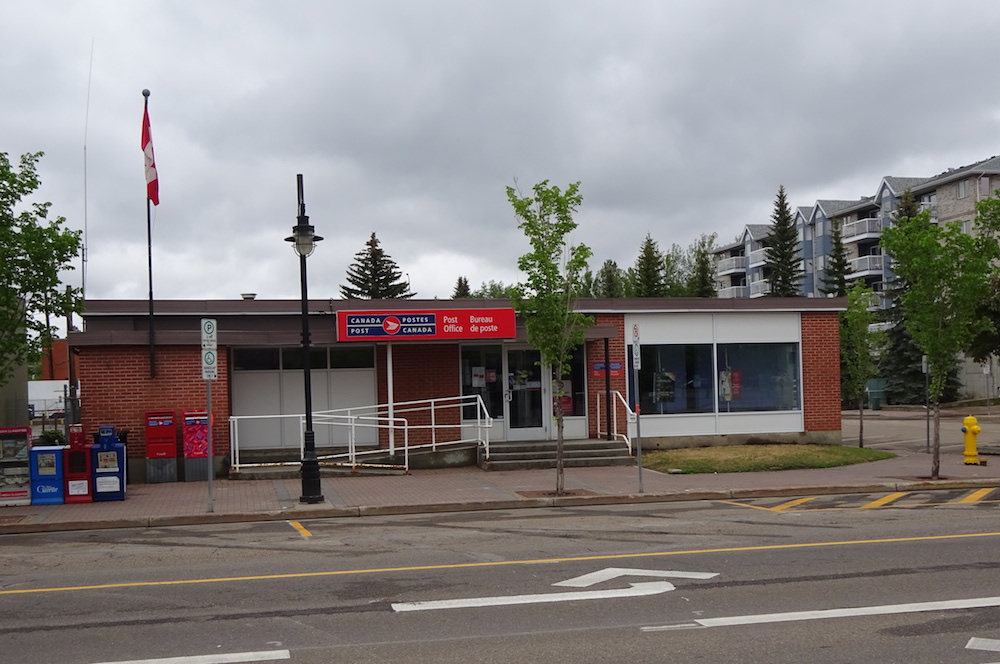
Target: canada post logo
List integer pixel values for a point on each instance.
(390, 325)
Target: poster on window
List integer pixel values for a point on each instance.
(665, 386)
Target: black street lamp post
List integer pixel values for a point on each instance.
(304, 240)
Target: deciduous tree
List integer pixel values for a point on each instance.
(545, 299)
(948, 275)
(34, 250)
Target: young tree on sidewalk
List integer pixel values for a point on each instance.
(553, 270)
(858, 346)
(948, 274)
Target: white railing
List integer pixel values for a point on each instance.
(618, 400)
(731, 264)
(382, 418)
(867, 264)
(762, 287)
(871, 226)
(732, 291)
(758, 257)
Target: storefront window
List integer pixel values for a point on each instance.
(676, 379)
(482, 374)
(574, 397)
(291, 358)
(758, 377)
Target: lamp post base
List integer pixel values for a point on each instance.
(312, 494)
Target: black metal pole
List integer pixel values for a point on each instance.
(311, 491)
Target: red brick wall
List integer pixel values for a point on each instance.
(617, 352)
(821, 371)
(115, 388)
(423, 371)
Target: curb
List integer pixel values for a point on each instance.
(298, 514)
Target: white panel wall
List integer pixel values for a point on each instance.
(756, 328)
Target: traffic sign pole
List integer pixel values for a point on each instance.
(636, 364)
(210, 372)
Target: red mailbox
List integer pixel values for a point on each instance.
(77, 469)
(161, 446)
(161, 435)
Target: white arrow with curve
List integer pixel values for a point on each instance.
(639, 589)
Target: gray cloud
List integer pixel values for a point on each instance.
(409, 120)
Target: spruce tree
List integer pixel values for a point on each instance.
(782, 256)
(701, 280)
(462, 289)
(838, 267)
(647, 276)
(610, 281)
(374, 276)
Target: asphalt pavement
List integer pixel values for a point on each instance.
(466, 489)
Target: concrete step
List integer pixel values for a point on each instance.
(527, 464)
(517, 455)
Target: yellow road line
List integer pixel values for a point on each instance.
(975, 496)
(501, 563)
(884, 500)
(299, 527)
(756, 507)
(792, 503)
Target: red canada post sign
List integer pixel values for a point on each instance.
(440, 324)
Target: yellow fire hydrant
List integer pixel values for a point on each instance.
(971, 429)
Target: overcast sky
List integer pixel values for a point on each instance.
(409, 118)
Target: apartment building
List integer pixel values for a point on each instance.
(949, 196)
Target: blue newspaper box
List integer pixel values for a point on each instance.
(108, 465)
(46, 467)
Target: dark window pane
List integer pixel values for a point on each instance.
(255, 359)
(291, 358)
(482, 374)
(352, 357)
(758, 377)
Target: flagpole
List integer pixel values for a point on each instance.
(149, 251)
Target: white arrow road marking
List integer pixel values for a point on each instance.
(887, 609)
(975, 643)
(615, 572)
(637, 590)
(228, 658)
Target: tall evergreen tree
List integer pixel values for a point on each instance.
(610, 281)
(782, 256)
(462, 289)
(647, 276)
(676, 269)
(838, 267)
(374, 276)
(701, 257)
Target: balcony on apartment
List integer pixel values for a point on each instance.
(760, 288)
(866, 266)
(732, 291)
(757, 257)
(863, 229)
(731, 265)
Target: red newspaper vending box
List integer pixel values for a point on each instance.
(197, 464)
(161, 447)
(77, 468)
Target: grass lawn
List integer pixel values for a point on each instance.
(749, 458)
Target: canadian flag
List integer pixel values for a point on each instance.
(152, 184)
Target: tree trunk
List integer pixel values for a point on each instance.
(936, 459)
(861, 421)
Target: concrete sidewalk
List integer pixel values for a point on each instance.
(464, 489)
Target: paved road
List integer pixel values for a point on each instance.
(355, 590)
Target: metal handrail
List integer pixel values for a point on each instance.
(376, 417)
(600, 398)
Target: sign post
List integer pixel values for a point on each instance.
(636, 365)
(209, 372)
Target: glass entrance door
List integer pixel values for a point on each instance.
(526, 414)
